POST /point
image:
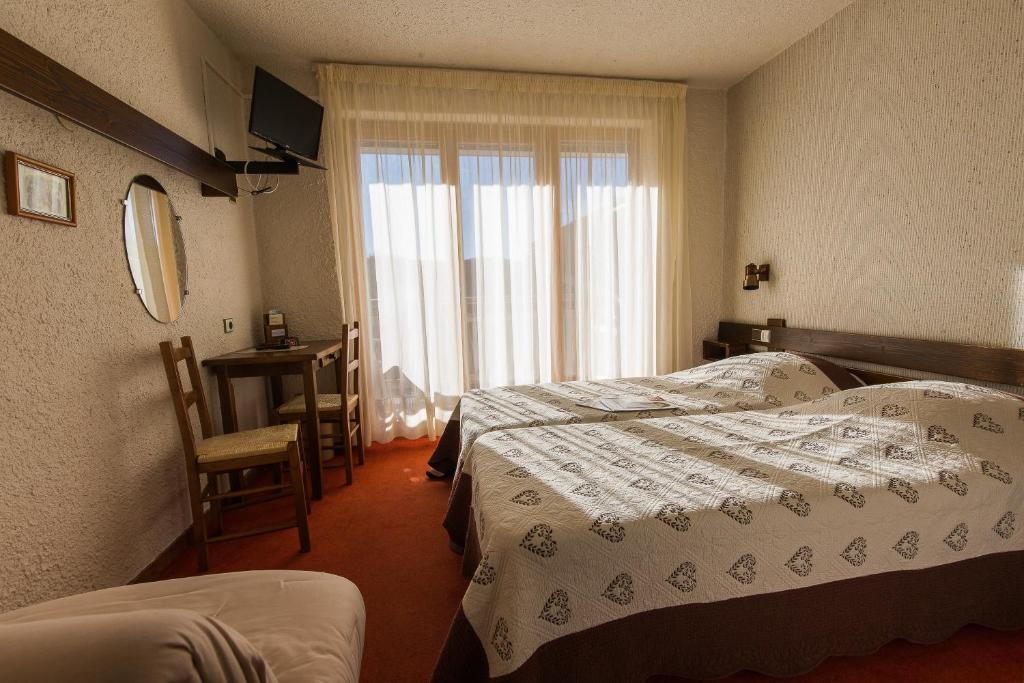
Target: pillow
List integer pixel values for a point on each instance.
(843, 378)
(156, 646)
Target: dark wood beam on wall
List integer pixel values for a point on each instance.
(32, 76)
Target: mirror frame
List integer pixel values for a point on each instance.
(154, 185)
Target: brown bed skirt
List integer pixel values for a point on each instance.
(457, 518)
(445, 457)
(780, 634)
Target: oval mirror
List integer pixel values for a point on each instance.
(155, 249)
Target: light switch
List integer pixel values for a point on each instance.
(229, 324)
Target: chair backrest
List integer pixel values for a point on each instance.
(350, 360)
(183, 400)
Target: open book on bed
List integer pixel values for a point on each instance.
(625, 403)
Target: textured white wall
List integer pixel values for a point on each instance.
(93, 483)
(298, 252)
(878, 165)
(298, 256)
(705, 197)
(297, 249)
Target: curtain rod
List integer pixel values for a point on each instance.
(667, 81)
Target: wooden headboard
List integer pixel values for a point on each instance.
(985, 363)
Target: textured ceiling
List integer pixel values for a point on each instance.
(708, 43)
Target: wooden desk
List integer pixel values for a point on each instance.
(274, 365)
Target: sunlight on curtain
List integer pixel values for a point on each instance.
(409, 254)
(507, 267)
(500, 229)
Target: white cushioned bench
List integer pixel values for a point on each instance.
(285, 626)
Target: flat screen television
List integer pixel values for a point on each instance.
(284, 117)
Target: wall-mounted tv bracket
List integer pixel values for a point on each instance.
(286, 164)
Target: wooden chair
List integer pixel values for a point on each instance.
(343, 414)
(233, 452)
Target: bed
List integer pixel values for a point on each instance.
(760, 380)
(769, 539)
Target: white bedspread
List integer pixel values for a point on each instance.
(583, 524)
(748, 382)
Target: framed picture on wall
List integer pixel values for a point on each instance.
(40, 191)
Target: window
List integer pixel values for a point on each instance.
(405, 225)
(497, 197)
(537, 301)
(500, 229)
(593, 185)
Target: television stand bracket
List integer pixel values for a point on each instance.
(287, 164)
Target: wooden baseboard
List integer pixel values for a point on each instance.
(155, 569)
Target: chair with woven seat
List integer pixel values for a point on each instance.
(216, 455)
(343, 414)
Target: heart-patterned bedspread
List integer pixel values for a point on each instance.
(583, 524)
(749, 382)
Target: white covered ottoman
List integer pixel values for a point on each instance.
(288, 626)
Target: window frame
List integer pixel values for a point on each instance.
(548, 142)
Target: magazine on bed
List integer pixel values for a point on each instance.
(625, 403)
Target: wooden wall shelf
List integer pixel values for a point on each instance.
(717, 350)
(32, 76)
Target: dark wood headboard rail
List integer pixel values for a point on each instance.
(986, 363)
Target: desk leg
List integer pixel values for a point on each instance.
(275, 397)
(316, 468)
(228, 416)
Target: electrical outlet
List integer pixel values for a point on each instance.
(229, 324)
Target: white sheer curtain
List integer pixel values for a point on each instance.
(500, 229)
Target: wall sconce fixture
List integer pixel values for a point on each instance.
(754, 274)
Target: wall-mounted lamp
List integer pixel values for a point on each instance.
(754, 274)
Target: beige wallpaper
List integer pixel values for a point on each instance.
(878, 165)
(93, 481)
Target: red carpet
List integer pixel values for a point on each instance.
(384, 533)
